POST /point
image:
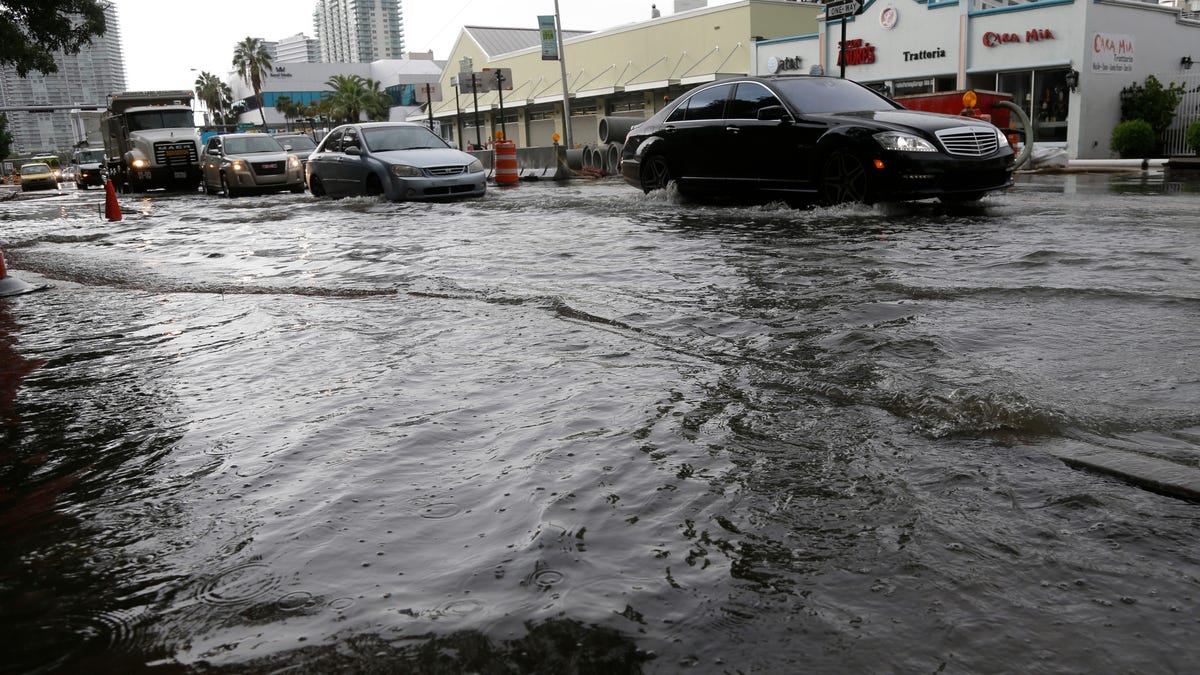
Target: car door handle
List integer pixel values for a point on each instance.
(732, 129)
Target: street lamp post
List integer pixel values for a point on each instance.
(562, 64)
(457, 111)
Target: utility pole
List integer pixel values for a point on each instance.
(562, 64)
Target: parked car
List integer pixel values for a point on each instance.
(808, 139)
(37, 176)
(300, 145)
(399, 160)
(235, 164)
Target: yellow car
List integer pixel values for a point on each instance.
(37, 176)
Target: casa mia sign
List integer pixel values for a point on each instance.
(1112, 53)
(991, 39)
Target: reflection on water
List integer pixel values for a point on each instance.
(578, 429)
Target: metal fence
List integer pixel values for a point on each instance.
(1188, 111)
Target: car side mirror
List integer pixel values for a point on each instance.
(287, 147)
(353, 150)
(774, 112)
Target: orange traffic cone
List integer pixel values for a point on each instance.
(12, 285)
(112, 210)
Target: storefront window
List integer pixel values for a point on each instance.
(1042, 94)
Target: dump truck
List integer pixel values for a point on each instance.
(151, 141)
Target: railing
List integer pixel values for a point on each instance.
(1174, 142)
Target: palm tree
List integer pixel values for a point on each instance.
(289, 110)
(349, 97)
(214, 94)
(379, 102)
(252, 61)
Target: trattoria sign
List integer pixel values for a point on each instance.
(1112, 53)
(991, 39)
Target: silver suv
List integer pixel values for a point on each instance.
(240, 163)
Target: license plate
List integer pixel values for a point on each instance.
(181, 174)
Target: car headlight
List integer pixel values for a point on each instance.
(475, 166)
(238, 165)
(1001, 137)
(901, 142)
(406, 171)
(140, 164)
(293, 162)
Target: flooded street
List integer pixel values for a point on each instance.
(570, 428)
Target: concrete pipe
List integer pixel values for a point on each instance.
(612, 158)
(614, 129)
(575, 158)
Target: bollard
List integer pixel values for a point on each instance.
(506, 163)
(112, 210)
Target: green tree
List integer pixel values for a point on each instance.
(1151, 102)
(252, 62)
(378, 101)
(349, 98)
(215, 94)
(5, 137)
(287, 108)
(31, 30)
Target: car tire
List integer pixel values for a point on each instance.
(655, 174)
(844, 179)
(226, 188)
(81, 186)
(316, 187)
(373, 187)
(208, 189)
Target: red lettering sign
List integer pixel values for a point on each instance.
(855, 53)
(991, 39)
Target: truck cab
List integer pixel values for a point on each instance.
(151, 141)
(88, 167)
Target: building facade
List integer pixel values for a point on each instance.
(306, 83)
(1064, 62)
(298, 48)
(628, 71)
(359, 31)
(83, 80)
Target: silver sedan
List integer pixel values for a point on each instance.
(398, 160)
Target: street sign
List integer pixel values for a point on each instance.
(475, 82)
(428, 91)
(842, 8)
(498, 78)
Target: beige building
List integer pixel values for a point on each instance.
(629, 71)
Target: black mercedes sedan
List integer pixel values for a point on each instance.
(810, 139)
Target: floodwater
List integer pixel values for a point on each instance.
(576, 429)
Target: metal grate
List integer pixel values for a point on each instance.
(969, 142)
(174, 154)
(269, 168)
(447, 170)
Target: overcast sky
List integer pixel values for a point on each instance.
(165, 41)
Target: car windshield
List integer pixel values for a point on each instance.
(815, 95)
(383, 139)
(160, 119)
(251, 143)
(297, 142)
(34, 169)
(89, 156)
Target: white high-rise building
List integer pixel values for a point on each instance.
(359, 31)
(83, 79)
(298, 48)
